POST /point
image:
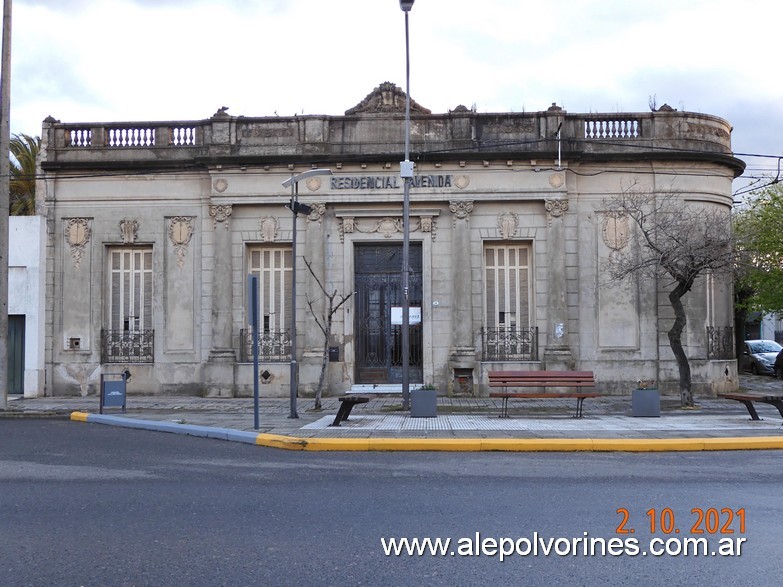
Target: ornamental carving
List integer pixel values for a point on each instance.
(508, 222)
(347, 226)
(616, 230)
(313, 184)
(556, 207)
(386, 226)
(461, 181)
(317, 212)
(427, 224)
(387, 97)
(221, 185)
(461, 208)
(556, 180)
(128, 230)
(180, 233)
(220, 213)
(268, 226)
(77, 235)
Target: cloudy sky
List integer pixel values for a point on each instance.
(128, 60)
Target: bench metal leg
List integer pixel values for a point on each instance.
(778, 403)
(342, 413)
(752, 409)
(579, 402)
(504, 408)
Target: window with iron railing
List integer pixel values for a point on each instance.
(128, 336)
(273, 347)
(272, 265)
(124, 346)
(507, 334)
(504, 344)
(720, 342)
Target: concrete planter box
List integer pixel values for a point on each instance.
(646, 403)
(424, 403)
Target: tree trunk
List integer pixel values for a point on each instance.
(324, 360)
(740, 319)
(322, 376)
(675, 342)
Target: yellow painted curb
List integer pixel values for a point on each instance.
(520, 444)
(647, 444)
(279, 441)
(537, 444)
(744, 443)
(79, 416)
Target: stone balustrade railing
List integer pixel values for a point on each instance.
(456, 135)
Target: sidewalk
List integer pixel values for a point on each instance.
(462, 423)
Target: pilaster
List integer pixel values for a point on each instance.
(219, 370)
(462, 354)
(315, 247)
(557, 353)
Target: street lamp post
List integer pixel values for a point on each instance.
(296, 209)
(406, 173)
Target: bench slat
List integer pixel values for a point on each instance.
(542, 395)
(554, 383)
(575, 379)
(541, 379)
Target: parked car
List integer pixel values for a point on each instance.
(760, 355)
(778, 368)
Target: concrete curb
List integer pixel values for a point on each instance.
(173, 427)
(444, 444)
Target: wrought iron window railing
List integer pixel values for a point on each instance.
(505, 344)
(273, 347)
(127, 346)
(720, 342)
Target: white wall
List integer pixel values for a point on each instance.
(26, 295)
(769, 325)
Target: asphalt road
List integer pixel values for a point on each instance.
(88, 505)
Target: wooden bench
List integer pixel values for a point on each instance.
(346, 405)
(506, 379)
(748, 398)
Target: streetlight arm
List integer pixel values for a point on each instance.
(305, 175)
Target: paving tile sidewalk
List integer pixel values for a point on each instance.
(468, 417)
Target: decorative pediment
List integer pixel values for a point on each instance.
(387, 97)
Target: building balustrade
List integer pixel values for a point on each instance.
(613, 128)
(130, 137)
(467, 135)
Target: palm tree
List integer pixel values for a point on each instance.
(24, 151)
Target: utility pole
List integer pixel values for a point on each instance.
(5, 196)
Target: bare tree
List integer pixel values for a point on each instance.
(324, 321)
(675, 243)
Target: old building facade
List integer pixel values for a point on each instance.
(153, 228)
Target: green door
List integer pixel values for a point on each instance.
(15, 354)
